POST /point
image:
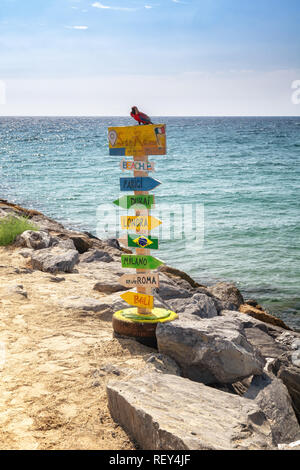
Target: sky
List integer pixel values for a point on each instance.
(168, 57)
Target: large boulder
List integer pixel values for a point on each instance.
(272, 396)
(169, 289)
(211, 350)
(54, 260)
(167, 412)
(36, 240)
(199, 305)
(227, 293)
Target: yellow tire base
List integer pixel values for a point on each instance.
(128, 322)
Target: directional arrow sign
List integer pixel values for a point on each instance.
(140, 241)
(137, 280)
(138, 183)
(140, 223)
(141, 201)
(136, 165)
(140, 262)
(138, 300)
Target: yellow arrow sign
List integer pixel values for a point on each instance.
(139, 223)
(138, 300)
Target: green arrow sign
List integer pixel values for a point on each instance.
(140, 262)
(141, 241)
(144, 201)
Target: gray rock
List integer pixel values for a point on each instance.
(227, 292)
(54, 260)
(266, 345)
(167, 412)
(109, 286)
(63, 244)
(209, 350)
(285, 370)
(33, 239)
(272, 396)
(168, 289)
(25, 252)
(95, 255)
(163, 364)
(199, 305)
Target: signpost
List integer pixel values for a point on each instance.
(136, 280)
(138, 183)
(132, 241)
(141, 223)
(140, 320)
(138, 165)
(142, 201)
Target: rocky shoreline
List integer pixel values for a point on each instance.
(225, 375)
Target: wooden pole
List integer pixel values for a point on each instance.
(142, 212)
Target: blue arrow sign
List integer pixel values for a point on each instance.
(138, 183)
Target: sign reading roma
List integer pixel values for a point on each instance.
(132, 140)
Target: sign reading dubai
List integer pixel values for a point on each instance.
(141, 201)
(131, 140)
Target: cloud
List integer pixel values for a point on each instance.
(106, 7)
(148, 6)
(77, 27)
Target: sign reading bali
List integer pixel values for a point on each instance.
(132, 140)
(141, 319)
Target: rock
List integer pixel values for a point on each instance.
(54, 260)
(266, 345)
(262, 315)
(26, 252)
(81, 242)
(114, 243)
(168, 289)
(163, 364)
(291, 446)
(199, 305)
(95, 255)
(227, 292)
(167, 412)
(18, 290)
(209, 350)
(272, 396)
(33, 239)
(109, 286)
(285, 370)
(57, 279)
(177, 274)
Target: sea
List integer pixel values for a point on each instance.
(228, 197)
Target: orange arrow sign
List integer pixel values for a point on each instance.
(138, 300)
(140, 223)
(136, 280)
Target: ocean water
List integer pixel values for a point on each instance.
(243, 172)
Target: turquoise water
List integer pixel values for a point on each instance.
(245, 171)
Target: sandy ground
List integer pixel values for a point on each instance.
(55, 363)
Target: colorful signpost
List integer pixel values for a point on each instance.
(141, 319)
(132, 241)
(137, 165)
(141, 223)
(133, 140)
(138, 183)
(142, 201)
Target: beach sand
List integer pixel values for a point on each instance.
(57, 363)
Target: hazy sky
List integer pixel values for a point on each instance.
(168, 57)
